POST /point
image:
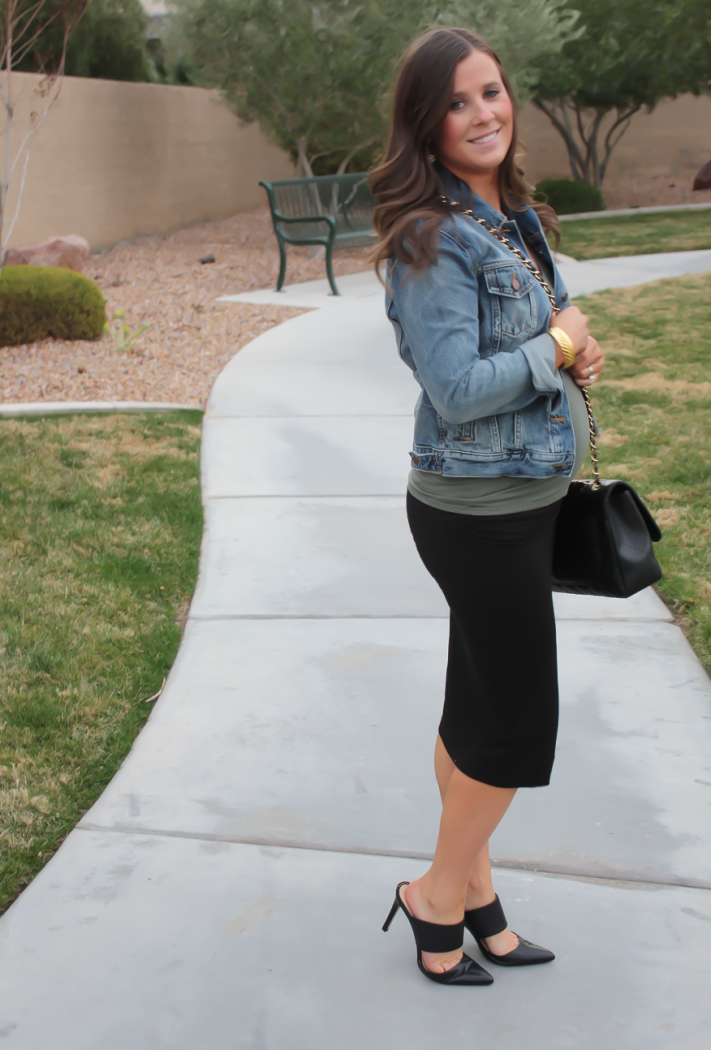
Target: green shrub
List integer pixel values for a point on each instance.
(109, 42)
(41, 301)
(570, 196)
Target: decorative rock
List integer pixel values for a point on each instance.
(703, 179)
(68, 252)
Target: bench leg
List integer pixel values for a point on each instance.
(329, 269)
(282, 264)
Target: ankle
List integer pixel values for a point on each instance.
(479, 894)
(431, 904)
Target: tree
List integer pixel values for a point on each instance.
(314, 73)
(631, 55)
(310, 72)
(522, 32)
(22, 22)
(109, 43)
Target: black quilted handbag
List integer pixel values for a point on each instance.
(604, 536)
(604, 533)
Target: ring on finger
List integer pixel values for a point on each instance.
(591, 370)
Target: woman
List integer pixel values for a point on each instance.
(500, 430)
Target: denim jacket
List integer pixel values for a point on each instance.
(473, 329)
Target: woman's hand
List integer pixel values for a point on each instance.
(588, 364)
(575, 325)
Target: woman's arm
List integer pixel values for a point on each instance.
(438, 309)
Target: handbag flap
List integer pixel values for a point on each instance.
(655, 533)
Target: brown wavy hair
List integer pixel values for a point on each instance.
(406, 184)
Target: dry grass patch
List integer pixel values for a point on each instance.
(654, 410)
(100, 537)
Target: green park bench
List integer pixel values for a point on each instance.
(335, 211)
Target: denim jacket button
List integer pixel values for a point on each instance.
(565, 297)
(515, 283)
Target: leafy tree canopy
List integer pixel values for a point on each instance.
(309, 72)
(523, 33)
(109, 43)
(314, 73)
(630, 55)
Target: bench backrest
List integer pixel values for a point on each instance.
(346, 198)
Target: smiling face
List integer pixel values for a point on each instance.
(475, 136)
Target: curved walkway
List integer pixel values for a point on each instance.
(228, 888)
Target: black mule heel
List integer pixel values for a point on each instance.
(490, 920)
(435, 937)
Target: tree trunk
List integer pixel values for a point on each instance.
(7, 129)
(587, 155)
(351, 154)
(561, 123)
(303, 165)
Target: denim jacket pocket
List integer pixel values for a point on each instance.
(478, 435)
(513, 303)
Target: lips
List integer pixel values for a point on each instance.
(484, 140)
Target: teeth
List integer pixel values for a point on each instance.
(484, 138)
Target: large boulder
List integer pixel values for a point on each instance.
(703, 179)
(68, 252)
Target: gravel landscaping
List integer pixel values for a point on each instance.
(159, 281)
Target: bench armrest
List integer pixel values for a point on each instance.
(278, 217)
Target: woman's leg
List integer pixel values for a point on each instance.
(480, 890)
(460, 876)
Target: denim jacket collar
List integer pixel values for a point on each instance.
(518, 224)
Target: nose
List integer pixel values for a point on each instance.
(483, 113)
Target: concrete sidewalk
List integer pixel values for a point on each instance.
(581, 277)
(228, 888)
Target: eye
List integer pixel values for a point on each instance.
(456, 104)
(492, 93)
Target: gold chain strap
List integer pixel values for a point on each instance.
(539, 277)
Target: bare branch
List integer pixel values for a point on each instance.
(620, 126)
(564, 130)
(20, 29)
(349, 156)
(6, 239)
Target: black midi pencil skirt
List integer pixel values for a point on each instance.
(500, 717)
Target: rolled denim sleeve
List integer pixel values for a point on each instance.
(540, 353)
(438, 310)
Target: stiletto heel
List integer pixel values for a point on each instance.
(391, 916)
(490, 920)
(437, 937)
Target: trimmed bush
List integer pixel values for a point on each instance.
(569, 196)
(41, 301)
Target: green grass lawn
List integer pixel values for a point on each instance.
(636, 234)
(101, 527)
(654, 409)
(100, 532)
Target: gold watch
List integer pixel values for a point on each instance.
(566, 344)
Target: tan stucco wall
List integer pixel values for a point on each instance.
(674, 139)
(116, 160)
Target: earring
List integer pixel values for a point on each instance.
(430, 157)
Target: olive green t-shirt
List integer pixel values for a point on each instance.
(504, 495)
